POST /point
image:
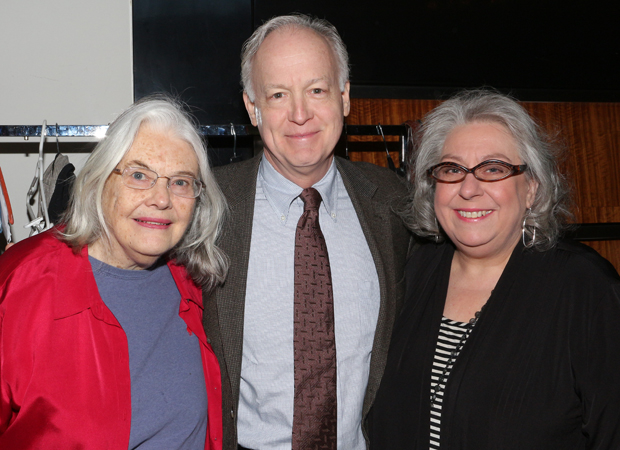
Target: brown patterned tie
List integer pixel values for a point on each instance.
(315, 405)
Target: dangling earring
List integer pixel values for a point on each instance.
(530, 244)
(437, 235)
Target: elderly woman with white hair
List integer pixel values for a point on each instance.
(101, 336)
(508, 337)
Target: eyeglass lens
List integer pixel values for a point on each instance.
(140, 178)
(491, 171)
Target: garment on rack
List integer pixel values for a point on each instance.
(6, 215)
(4, 219)
(51, 175)
(57, 181)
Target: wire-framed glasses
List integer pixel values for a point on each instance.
(489, 171)
(142, 178)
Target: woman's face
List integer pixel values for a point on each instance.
(145, 224)
(483, 219)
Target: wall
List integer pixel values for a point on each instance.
(67, 61)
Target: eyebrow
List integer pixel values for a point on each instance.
(308, 83)
(139, 163)
(499, 156)
(316, 80)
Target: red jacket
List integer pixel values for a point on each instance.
(64, 361)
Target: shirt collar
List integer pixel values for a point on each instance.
(281, 192)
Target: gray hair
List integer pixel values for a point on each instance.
(550, 210)
(84, 218)
(319, 26)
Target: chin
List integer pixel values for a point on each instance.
(151, 252)
(472, 243)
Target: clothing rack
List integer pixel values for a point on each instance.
(28, 131)
(98, 131)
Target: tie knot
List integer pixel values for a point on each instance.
(311, 198)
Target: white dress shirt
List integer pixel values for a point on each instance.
(267, 373)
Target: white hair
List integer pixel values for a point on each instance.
(84, 218)
(296, 21)
(550, 210)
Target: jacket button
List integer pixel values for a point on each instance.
(232, 414)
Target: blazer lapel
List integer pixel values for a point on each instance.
(374, 217)
(239, 187)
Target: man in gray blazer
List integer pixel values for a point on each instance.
(296, 91)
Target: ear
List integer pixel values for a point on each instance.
(532, 187)
(346, 101)
(250, 107)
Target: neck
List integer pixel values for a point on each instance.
(471, 283)
(477, 268)
(102, 251)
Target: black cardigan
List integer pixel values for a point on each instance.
(540, 371)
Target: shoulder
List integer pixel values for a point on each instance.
(378, 175)
(238, 180)
(571, 272)
(581, 262)
(427, 256)
(230, 173)
(30, 272)
(378, 183)
(44, 246)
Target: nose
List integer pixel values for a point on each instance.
(301, 110)
(160, 195)
(470, 187)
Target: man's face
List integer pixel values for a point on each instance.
(299, 108)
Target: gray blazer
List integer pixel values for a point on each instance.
(374, 191)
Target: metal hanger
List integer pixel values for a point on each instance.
(390, 161)
(41, 221)
(234, 158)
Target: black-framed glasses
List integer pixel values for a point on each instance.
(142, 178)
(489, 171)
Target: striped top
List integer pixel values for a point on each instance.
(452, 337)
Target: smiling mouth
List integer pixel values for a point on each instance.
(150, 222)
(474, 214)
(302, 135)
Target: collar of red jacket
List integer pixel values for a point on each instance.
(78, 278)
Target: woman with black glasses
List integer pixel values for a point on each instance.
(509, 337)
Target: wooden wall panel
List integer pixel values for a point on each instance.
(589, 132)
(385, 112)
